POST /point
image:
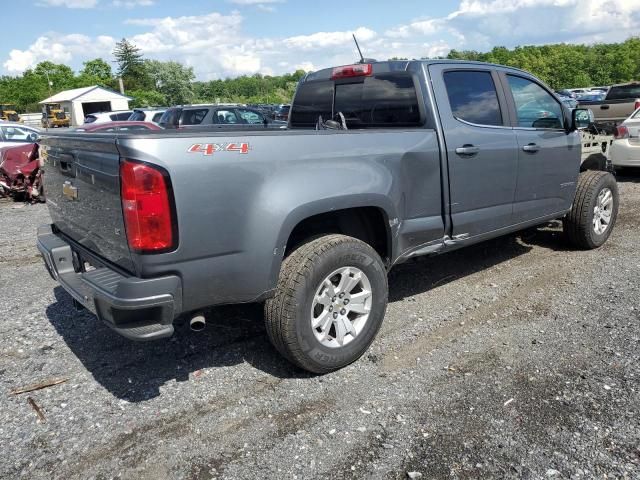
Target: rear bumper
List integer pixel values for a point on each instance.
(624, 153)
(137, 308)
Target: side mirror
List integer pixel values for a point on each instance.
(581, 118)
(33, 137)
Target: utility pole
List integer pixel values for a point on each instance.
(49, 82)
(45, 113)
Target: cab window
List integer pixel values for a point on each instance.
(473, 97)
(535, 107)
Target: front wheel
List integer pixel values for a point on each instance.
(594, 210)
(329, 303)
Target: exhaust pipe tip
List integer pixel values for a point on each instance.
(197, 323)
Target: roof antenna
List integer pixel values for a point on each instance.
(362, 59)
(358, 47)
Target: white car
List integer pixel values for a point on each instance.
(625, 149)
(102, 117)
(146, 115)
(13, 134)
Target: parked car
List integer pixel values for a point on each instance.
(125, 126)
(14, 134)
(216, 117)
(282, 113)
(619, 102)
(421, 158)
(20, 172)
(102, 117)
(566, 93)
(625, 150)
(593, 96)
(568, 102)
(147, 115)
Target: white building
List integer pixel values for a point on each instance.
(80, 102)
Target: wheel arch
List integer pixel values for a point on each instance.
(362, 208)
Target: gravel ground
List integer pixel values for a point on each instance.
(516, 358)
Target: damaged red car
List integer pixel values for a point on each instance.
(21, 173)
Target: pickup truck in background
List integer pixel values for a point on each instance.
(620, 102)
(382, 162)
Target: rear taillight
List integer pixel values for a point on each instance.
(636, 105)
(348, 71)
(621, 132)
(147, 205)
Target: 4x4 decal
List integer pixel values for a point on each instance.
(211, 148)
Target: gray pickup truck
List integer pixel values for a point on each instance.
(381, 162)
(620, 102)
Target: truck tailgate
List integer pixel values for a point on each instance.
(82, 187)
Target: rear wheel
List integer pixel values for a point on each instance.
(594, 210)
(329, 304)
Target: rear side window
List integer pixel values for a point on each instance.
(249, 116)
(137, 116)
(385, 100)
(171, 117)
(120, 116)
(194, 117)
(156, 118)
(313, 100)
(473, 97)
(624, 92)
(226, 117)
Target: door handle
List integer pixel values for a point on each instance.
(604, 107)
(467, 150)
(531, 148)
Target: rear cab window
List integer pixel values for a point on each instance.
(381, 100)
(623, 92)
(473, 97)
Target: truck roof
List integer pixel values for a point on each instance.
(402, 65)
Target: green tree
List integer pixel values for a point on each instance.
(131, 65)
(171, 79)
(147, 98)
(97, 68)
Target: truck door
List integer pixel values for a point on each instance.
(480, 145)
(548, 157)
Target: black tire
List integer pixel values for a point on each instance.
(288, 314)
(578, 225)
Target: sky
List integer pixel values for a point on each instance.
(228, 38)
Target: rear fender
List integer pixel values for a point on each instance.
(328, 205)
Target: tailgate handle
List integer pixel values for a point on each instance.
(604, 107)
